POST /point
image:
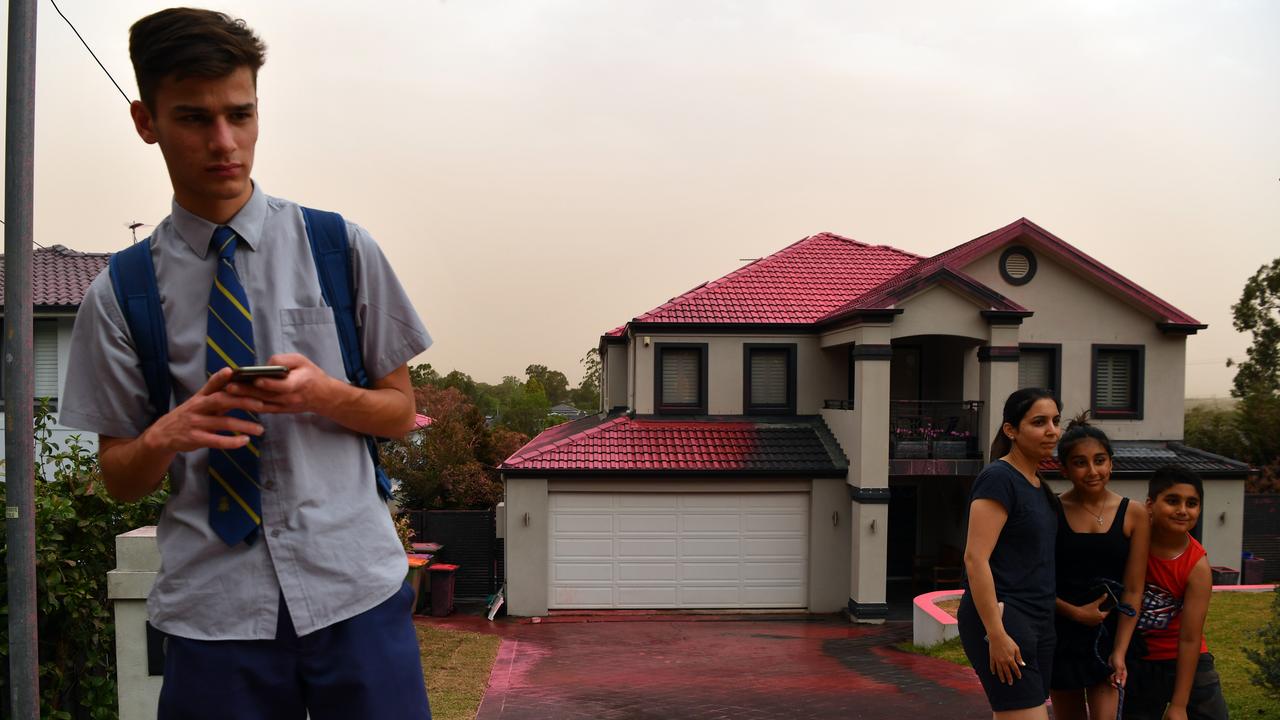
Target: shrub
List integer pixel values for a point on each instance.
(1267, 660)
(76, 524)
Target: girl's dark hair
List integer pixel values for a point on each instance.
(1166, 476)
(186, 42)
(1015, 409)
(1077, 431)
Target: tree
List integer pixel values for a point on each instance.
(553, 382)
(1257, 380)
(586, 396)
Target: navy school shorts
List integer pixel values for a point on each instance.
(367, 666)
(1035, 638)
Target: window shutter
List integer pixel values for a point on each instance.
(1035, 369)
(46, 360)
(681, 373)
(1113, 385)
(769, 377)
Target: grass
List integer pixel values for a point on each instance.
(1234, 620)
(456, 665)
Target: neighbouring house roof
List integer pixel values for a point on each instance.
(1138, 458)
(826, 278)
(60, 276)
(622, 444)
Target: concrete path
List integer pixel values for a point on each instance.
(695, 668)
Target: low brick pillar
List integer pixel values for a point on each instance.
(137, 562)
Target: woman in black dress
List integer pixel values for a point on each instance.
(1006, 614)
(1101, 559)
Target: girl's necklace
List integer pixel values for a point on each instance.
(1098, 516)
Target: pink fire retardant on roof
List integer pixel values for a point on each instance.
(798, 284)
(624, 443)
(60, 277)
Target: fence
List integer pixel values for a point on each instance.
(1262, 532)
(470, 541)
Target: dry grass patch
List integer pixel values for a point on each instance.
(457, 666)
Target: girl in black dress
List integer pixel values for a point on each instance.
(1006, 614)
(1101, 560)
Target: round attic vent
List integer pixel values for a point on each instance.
(1017, 265)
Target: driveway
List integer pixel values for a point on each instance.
(699, 668)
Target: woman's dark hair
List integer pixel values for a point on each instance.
(1077, 431)
(186, 42)
(1166, 476)
(1015, 409)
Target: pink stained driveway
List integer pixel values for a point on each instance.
(697, 668)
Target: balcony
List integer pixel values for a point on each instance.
(934, 430)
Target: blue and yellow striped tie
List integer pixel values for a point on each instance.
(235, 504)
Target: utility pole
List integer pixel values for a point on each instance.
(19, 363)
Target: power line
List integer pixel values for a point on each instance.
(86, 47)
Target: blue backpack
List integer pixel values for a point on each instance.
(133, 277)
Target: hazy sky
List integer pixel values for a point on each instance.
(540, 171)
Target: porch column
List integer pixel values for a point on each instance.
(997, 378)
(869, 475)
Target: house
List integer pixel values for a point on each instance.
(803, 432)
(566, 411)
(60, 278)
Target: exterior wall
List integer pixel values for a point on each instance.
(60, 432)
(526, 556)
(1078, 314)
(818, 373)
(939, 310)
(830, 545)
(615, 376)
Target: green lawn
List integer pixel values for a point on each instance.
(1234, 619)
(457, 666)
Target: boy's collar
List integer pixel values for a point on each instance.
(195, 231)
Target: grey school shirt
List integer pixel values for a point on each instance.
(327, 541)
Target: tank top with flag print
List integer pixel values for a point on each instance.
(1161, 617)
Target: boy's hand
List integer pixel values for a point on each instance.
(306, 388)
(1091, 615)
(1174, 712)
(197, 422)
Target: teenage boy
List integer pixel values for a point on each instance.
(281, 586)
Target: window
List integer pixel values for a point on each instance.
(1039, 366)
(1017, 265)
(1117, 381)
(769, 379)
(680, 378)
(45, 347)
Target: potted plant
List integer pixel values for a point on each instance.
(952, 445)
(909, 443)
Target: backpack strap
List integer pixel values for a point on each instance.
(133, 277)
(327, 233)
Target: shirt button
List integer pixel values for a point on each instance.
(269, 485)
(275, 533)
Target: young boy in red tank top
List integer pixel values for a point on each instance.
(1173, 675)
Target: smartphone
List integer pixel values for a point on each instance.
(246, 373)
(1104, 589)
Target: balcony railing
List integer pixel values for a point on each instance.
(934, 429)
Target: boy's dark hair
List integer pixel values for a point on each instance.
(188, 42)
(1166, 476)
(1077, 431)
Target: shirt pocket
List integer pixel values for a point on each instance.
(312, 332)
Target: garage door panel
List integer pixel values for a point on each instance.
(648, 523)
(583, 548)
(673, 550)
(665, 572)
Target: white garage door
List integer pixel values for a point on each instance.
(669, 550)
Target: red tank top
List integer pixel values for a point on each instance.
(1161, 618)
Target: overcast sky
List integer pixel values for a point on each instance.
(541, 171)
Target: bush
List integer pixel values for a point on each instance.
(76, 524)
(1267, 660)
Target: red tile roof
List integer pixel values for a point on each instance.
(60, 277)
(911, 280)
(627, 444)
(796, 285)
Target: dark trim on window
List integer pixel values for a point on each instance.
(1056, 350)
(667, 409)
(1137, 382)
(787, 408)
(998, 353)
(1031, 264)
